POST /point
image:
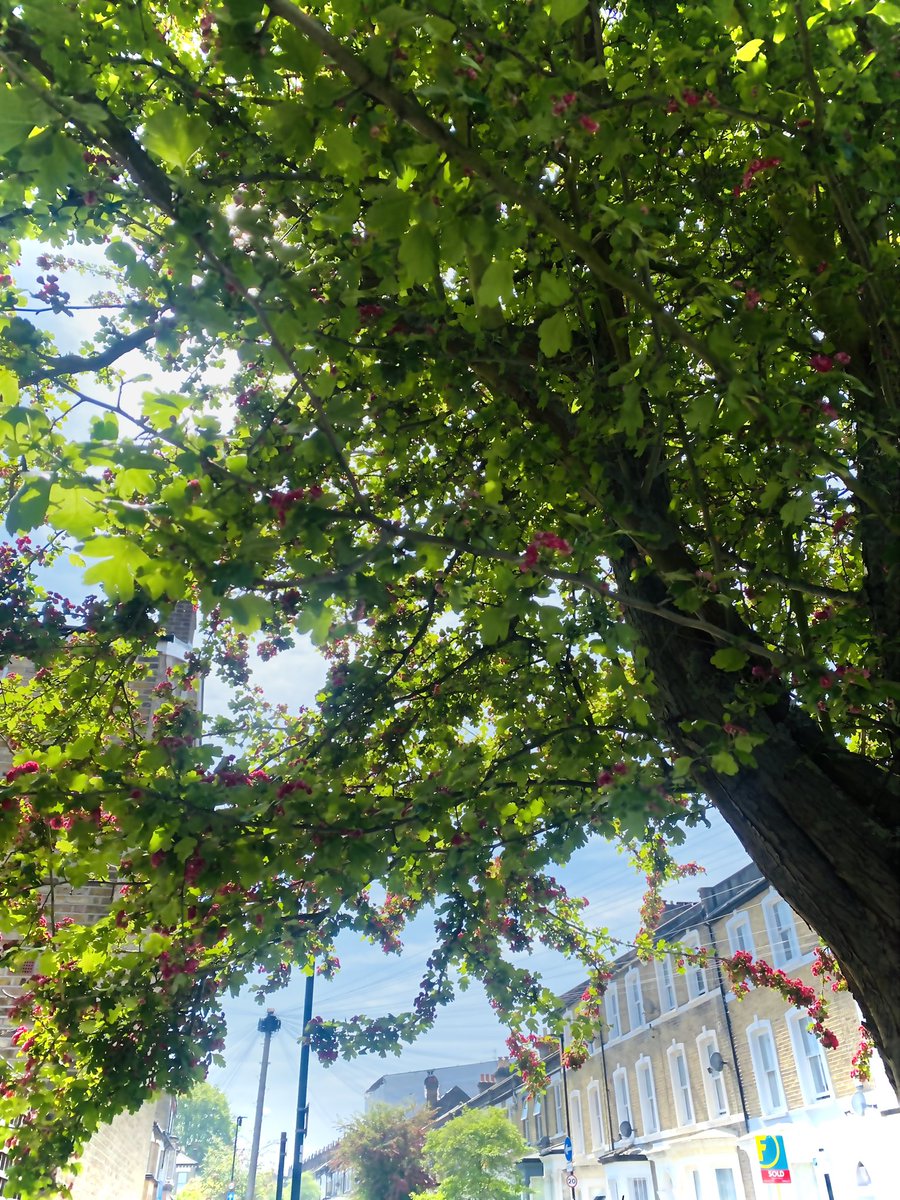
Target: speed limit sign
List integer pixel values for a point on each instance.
(571, 1181)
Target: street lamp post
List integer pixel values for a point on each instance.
(302, 1106)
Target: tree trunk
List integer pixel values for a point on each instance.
(816, 819)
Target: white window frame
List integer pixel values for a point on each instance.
(802, 1040)
(775, 909)
(612, 1013)
(622, 1093)
(758, 1034)
(639, 1188)
(697, 984)
(734, 1192)
(537, 1113)
(558, 1114)
(634, 998)
(577, 1118)
(740, 933)
(684, 1099)
(665, 982)
(595, 1116)
(713, 1082)
(646, 1086)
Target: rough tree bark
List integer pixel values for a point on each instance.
(818, 821)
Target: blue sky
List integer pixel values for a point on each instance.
(467, 1030)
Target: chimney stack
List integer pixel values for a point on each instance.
(431, 1089)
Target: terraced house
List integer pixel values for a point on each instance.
(693, 1094)
(134, 1156)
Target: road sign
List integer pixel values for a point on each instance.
(773, 1161)
(571, 1180)
(229, 1195)
(567, 1149)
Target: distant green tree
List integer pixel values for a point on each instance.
(474, 1157)
(203, 1120)
(215, 1175)
(384, 1148)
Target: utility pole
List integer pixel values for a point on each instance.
(302, 1106)
(268, 1025)
(237, 1128)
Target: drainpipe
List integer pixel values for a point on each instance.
(609, 1119)
(729, 1028)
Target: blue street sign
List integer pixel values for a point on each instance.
(229, 1195)
(567, 1149)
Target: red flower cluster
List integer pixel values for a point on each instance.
(752, 169)
(544, 540)
(744, 971)
(26, 768)
(823, 363)
(282, 502)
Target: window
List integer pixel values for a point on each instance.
(782, 931)
(739, 935)
(698, 1189)
(595, 1114)
(681, 1085)
(635, 998)
(665, 977)
(525, 1119)
(539, 1129)
(713, 1081)
(765, 1067)
(647, 1096)
(556, 1108)
(577, 1123)
(815, 1080)
(623, 1099)
(696, 976)
(725, 1183)
(638, 1188)
(611, 1011)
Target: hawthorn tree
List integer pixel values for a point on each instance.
(561, 412)
(384, 1149)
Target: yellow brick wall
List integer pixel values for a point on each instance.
(115, 1162)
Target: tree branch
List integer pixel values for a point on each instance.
(77, 364)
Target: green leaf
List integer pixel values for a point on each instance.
(724, 763)
(247, 612)
(120, 563)
(174, 135)
(74, 510)
(494, 623)
(438, 28)
(749, 50)
(887, 12)
(20, 112)
(9, 387)
(496, 283)
(796, 510)
(418, 255)
(564, 10)
(729, 658)
(555, 334)
(553, 288)
(28, 506)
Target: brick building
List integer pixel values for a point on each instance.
(684, 1078)
(133, 1157)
